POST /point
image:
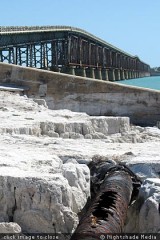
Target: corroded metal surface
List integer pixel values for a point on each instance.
(108, 209)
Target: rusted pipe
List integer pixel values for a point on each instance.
(108, 209)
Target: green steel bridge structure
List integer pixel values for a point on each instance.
(68, 50)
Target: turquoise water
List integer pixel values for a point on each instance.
(146, 82)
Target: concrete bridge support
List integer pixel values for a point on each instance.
(137, 74)
(116, 72)
(129, 74)
(72, 70)
(54, 69)
(118, 75)
(83, 71)
(147, 74)
(105, 74)
(92, 72)
(132, 74)
(80, 71)
(122, 74)
(112, 75)
(126, 74)
(98, 73)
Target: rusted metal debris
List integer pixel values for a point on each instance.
(114, 186)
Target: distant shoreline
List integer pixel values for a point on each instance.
(155, 73)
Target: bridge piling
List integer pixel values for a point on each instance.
(119, 75)
(98, 73)
(129, 74)
(122, 74)
(105, 74)
(126, 74)
(80, 71)
(83, 71)
(92, 73)
(112, 75)
(72, 70)
(132, 74)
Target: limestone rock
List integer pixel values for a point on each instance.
(10, 227)
(53, 134)
(41, 102)
(88, 136)
(78, 178)
(65, 135)
(118, 124)
(43, 204)
(44, 178)
(144, 170)
(74, 135)
(132, 221)
(143, 215)
(43, 121)
(149, 217)
(100, 124)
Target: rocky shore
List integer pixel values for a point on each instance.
(44, 177)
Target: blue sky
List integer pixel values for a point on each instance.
(131, 25)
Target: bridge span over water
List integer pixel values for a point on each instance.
(68, 50)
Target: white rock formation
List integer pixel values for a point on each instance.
(144, 214)
(10, 227)
(42, 195)
(149, 216)
(44, 178)
(34, 119)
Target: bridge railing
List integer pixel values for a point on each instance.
(5, 29)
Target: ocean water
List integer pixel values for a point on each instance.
(146, 82)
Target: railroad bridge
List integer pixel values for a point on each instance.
(68, 50)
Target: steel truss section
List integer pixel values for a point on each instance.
(61, 47)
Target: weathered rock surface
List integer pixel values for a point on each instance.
(144, 214)
(42, 195)
(35, 119)
(149, 216)
(44, 178)
(10, 227)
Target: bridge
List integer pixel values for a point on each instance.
(68, 50)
